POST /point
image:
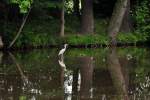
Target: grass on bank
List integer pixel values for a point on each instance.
(45, 32)
(45, 40)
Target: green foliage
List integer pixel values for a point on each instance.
(22, 98)
(69, 6)
(131, 37)
(54, 4)
(34, 33)
(86, 39)
(46, 4)
(72, 25)
(141, 16)
(100, 26)
(44, 32)
(32, 39)
(43, 29)
(24, 5)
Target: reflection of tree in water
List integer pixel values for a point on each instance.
(26, 82)
(117, 67)
(116, 71)
(86, 70)
(16, 85)
(79, 81)
(103, 87)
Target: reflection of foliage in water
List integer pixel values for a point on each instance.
(39, 66)
(138, 64)
(45, 60)
(98, 54)
(44, 66)
(143, 85)
(39, 61)
(139, 69)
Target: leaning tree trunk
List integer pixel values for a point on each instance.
(87, 20)
(20, 29)
(117, 19)
(126, 25)
(62, 27)
(118, 79)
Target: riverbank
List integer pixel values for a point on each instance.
(24, 48)
(44, 33)
(81, 41)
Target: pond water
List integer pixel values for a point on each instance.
(81, 74)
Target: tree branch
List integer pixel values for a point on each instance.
(20, 29)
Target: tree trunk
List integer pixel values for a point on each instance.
(117, 19)
(76, 8)
(87, 20)
(126, 26)
(62, 27)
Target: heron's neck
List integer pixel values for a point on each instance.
(65, 47)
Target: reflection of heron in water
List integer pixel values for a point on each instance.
(68, 78)
(61, 63)
(67, 75)
(103, 97)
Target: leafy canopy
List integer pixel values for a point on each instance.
(24, 5)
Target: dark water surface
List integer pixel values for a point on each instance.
(81, 74)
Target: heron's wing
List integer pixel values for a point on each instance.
(61, 51)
